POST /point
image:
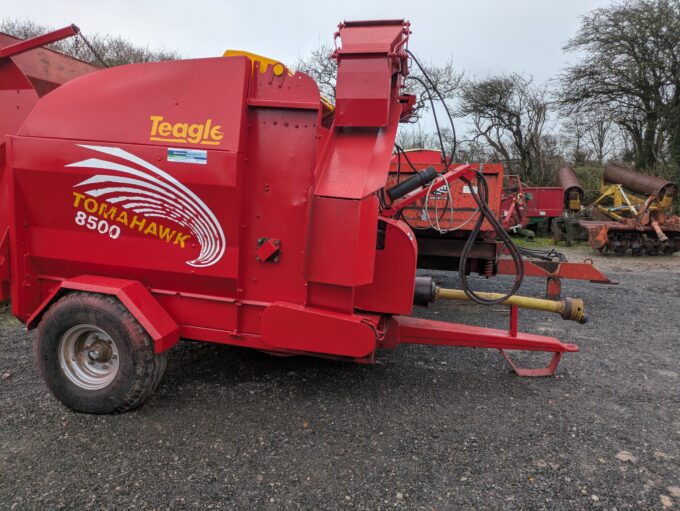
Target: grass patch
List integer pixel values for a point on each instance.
(535, 243)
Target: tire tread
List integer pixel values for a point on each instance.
(149, 367)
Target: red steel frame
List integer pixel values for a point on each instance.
(218, 190)
(45, 39)
(512, 208)
(554, 272)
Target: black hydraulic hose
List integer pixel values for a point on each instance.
(454, 142)
(454, 145)
(400, 151)
(436, 120)
(448, 161)
(486, 214)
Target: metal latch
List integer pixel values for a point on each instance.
(268, 250)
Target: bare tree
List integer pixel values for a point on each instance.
(417, 138)
(509, 113)
(574, 135)
(320, 65)
(630, 68)
(476, 150)
(444, 77)
(600, 137)
(112, 50)
(588, 137)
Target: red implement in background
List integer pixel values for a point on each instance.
(543, 202)
(441, 251)
(465, 208)
(28, 72)
(522, 205)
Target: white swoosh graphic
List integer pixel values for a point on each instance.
(151, 192)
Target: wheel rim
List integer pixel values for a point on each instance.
(88, 357)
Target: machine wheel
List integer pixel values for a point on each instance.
(94, 356)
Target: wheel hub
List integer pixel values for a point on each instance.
(88, 357)
(100, 352)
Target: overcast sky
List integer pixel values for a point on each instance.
(482, 36)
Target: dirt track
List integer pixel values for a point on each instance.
(425, 428)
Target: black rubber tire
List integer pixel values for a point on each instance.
(140, 369)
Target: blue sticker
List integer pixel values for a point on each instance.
(198, 156)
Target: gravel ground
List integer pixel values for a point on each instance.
(424, 428)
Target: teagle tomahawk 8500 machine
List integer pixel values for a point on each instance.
(222, 200)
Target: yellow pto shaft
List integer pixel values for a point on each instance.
(569, 308)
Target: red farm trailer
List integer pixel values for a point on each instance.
(442, 231)
(523, 206)
(543, 202)
(220, 200)
(442, 223)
